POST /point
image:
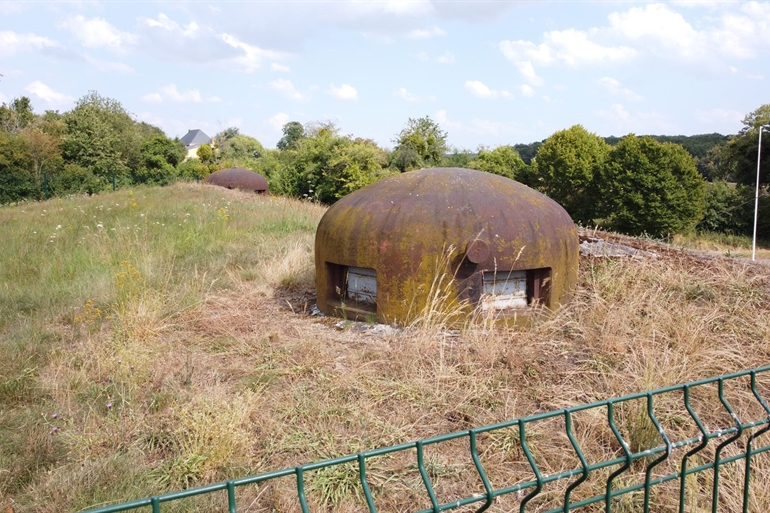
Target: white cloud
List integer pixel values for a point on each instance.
(152, 98)
(343, 92)
(744, 35)
(11, 7)
(173, 94)
(657, 23)
(280, 68)
(3, 98)
(286, 88)
(526, 51)
(658, 30)
(616, 113)
(442, 118)
(527, 90)
(406, 95)
(481, 90)
(614, 87)
(411, 97)
(277, 121)
(639, 122)
(574, 48)
(570, 47)
(426, 33)
(98, 33)
(478, 126)
(699, 3)
(444, 58)
(520, 54)
(715, 115)
(47, 94)
(407, 7)
(191, 30)
(109, 67)
(200, 45)
(252, 56)
(11, 42)
(490, 127)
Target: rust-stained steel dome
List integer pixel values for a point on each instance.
(378, 251)
(238, 178)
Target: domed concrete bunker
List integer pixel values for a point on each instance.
(488, 241)
(238, 178)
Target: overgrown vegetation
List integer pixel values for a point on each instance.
(160, 338)
(650, 185)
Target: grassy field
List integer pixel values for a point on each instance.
(157, 339)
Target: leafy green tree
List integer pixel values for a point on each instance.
(726, 207)
(355, 164)
(52, 123)
(160, 156)
(15, 116)
(293, 132)
(503, 160)
(44, 150)
(527, 152)
(227, 134)
(205, 153)
(420, 144)
(100, 137)
(16, 180)
(459, 158)
(326, 166)
(192, 169)
(713, 165)
(75, 179)
(172, 152)
(651, 187)
(740, 156)
(565, 168)
(241, 150)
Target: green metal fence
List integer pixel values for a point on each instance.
(709, 449)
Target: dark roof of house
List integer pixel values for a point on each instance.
(195, 138)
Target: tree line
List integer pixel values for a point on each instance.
(655, 185)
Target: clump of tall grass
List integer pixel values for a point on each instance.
(438, 307)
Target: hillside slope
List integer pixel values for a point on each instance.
(157, 339)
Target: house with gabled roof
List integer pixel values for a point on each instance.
(193, 140)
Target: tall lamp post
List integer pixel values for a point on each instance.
(756, 196)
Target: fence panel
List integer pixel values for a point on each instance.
(642, 446)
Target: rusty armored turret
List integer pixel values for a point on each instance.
(238, 178)
(491, 243)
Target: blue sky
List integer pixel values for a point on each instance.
(490, 72)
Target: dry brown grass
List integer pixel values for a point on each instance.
(292, 389)
(245, 381)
